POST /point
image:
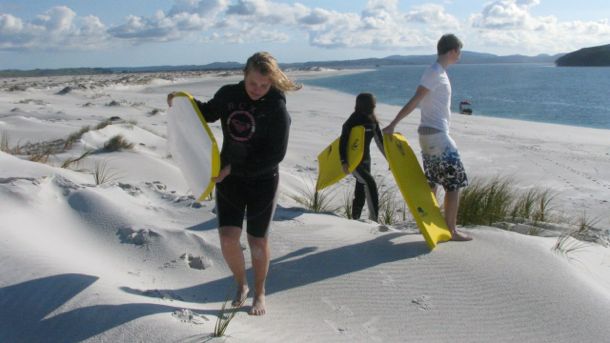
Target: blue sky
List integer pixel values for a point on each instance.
(103, 33)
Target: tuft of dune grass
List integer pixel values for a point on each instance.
(117, 143)
(485, 202)
(315, 201)
(103, 174)
(74, 137)
(225, 316)
(4, 142)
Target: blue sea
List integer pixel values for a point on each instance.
(577, 96)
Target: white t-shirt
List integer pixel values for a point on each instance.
(435, 106)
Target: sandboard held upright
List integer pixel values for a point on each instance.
(192, 145)
(415, 190)
(330, 170)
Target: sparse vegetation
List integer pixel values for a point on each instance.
(103, 174)
(117, 143)
(131, 123)
(113, 103)
(4, 143)
(567, 243)
(585, 223)
(74, 137)
(41, 156)
(543, 200)
(389, 206)
(40, 151)
(534, 231)
(524, 206)
(103, 124)
(497, 203)
(225, 316)
(348, 196)
(493, 201)
(484, 203)
(313, 200)
(589, 229)
(67, 163)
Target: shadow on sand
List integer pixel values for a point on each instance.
(306, 266)
(281, 214)
(25, 309)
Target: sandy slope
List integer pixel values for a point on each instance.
(127, 260)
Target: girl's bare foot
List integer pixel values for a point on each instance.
(240, 296)
(258, 306)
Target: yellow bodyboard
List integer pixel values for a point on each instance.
(415, 190)
(192, 145)
(330, 170)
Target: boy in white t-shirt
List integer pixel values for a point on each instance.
(442, 163)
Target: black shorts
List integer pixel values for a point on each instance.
(235, 195)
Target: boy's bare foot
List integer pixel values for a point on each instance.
(240, 296)
(460, 236)
(258, 306)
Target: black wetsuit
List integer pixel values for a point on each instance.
(255, 140)
(366, 188)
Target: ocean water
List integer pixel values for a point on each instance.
(577, 96)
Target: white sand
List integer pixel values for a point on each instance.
(106, 263)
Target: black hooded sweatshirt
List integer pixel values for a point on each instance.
(255, 131)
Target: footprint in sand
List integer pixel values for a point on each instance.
(340, 309)
(387, 279)
(188, 316)
(371, 327)
(161, 294)
(196, 262)
(335, 327)
(423, 303)
(139, 237)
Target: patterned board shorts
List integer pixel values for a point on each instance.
(442, 163)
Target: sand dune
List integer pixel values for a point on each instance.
(135, 259)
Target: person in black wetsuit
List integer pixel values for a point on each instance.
(255, 126)
(366, 188)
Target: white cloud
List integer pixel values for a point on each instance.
(503, 14)
(510, 25)
(138, 28)
(57, 28)
(248, 34)
(204, 9)
(316, 16)
(267, 12)
(433, 15)
(248, 7)
(10, 25)
(57, 19)
(382, 24)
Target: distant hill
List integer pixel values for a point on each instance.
(468, 57)
(597, 56)
(153, 69)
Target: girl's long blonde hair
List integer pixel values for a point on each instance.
(266, 64)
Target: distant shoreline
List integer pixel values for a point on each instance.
(468, 57)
